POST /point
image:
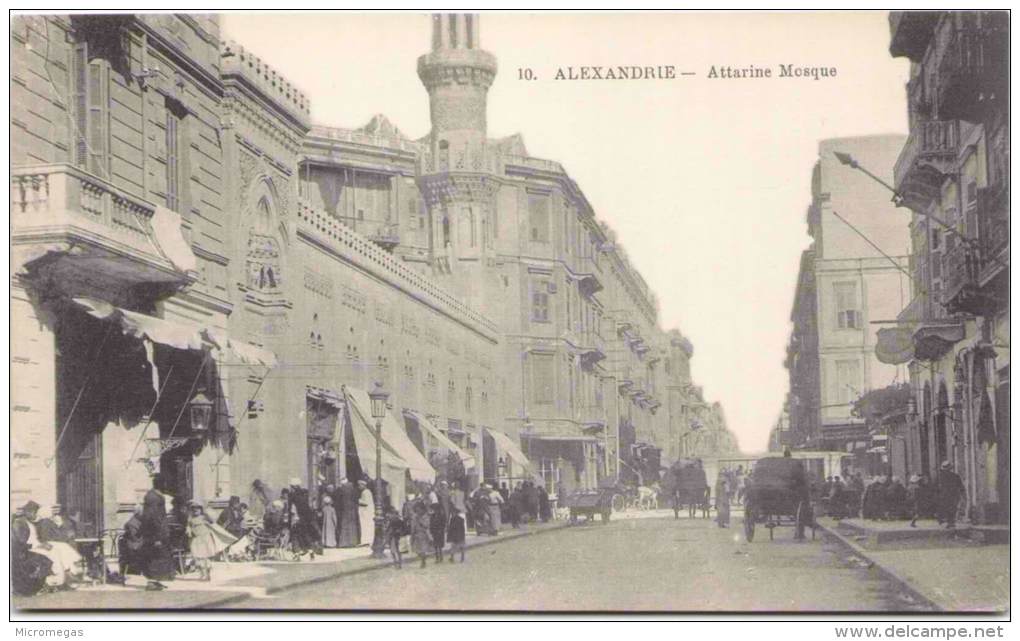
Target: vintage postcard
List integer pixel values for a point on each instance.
(638, 312)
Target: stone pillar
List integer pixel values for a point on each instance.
(33, 463)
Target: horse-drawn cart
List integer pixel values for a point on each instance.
(778, 494)
(592, 503)
(685, 484)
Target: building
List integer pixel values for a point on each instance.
(852, 279)
(206, 285)
(953, 173)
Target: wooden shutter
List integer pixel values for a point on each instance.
(172, 160)
(79, 89)
(97, 118)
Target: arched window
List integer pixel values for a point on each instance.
(263, 257)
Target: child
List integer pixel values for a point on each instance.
(437, 528)
(395, 528)
(203, 541)
(455, 532)
(421, 538)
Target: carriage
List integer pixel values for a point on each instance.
(778, 494)
(589, 504)
(686, 485)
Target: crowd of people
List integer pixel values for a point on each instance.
(886, 497)
(158, 542)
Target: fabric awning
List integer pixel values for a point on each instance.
(177, 334)
(427, 425)
(398, 450)
(157, 330)
(510, 448)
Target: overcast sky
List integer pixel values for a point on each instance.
(706, 181)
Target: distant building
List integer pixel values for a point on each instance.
(953, 172)
(846, 290)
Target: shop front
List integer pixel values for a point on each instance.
(567, 463)
(505, 462)
(451, 463)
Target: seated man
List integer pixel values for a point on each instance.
(232, 518)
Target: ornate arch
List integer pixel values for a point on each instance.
(265, 240)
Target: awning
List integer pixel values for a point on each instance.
(398, 450)
(157, 330)
(510, 448)
(554, 437)
(423, 422)
(177, 334)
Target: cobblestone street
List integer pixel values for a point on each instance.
(657, 564)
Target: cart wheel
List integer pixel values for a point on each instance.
(619, 503)
(748, 524)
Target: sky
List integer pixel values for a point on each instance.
(705, 180)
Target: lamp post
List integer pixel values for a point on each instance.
(200, 408)
(379, 396)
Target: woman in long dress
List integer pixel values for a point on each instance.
(495, 509)
(158, 562)
(329, 530)
(348, 506)
(59, 549)
(366, 514)
(421, 536)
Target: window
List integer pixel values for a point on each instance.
(847, 381)
(469, 31)
(848, 316)
(550, 471)
(538, 214)
(540, 302)
(542, 378)
(412, 206)
(91, 99)
(176, 147)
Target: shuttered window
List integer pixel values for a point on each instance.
(90, 89)
(848, 315)
(538, 214)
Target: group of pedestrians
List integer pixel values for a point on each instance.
(887, 498)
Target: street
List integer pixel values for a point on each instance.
(651, 564)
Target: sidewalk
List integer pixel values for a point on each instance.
(951, 573)
(242, 580)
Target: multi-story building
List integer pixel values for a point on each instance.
(205, 284)
(852, 278)
(953, 173)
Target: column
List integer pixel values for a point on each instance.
(33, 402)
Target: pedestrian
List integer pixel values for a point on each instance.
(231, 518)
(304, 527)
(437, 529)
(949, 491)
(515, 507)
(395, 528)
(58, 547)
(348, 514)
(157, 557)
(722, 501)
(897, 504)
(456, 531)
(31, 568)
(130, 545)
(329, 531)
(544, 507)
(204, 540)
(259, 499)
(836, 499)
(421, 538)
(366, 513)
(445, 500)
(496, 502)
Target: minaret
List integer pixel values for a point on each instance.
(457, 73)
(457, 175)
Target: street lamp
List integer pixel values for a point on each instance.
(379, 397)
(200, 407)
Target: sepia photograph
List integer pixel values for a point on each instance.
(510, 313)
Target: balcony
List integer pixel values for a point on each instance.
(976, 274)
(96, 234)
(593, 348)
(972, 70)
(911, 32)
(386, 236)
(592, 417)
(919, 96)
(926, 159)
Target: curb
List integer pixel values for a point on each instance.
(888, 573)
(242, 596)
